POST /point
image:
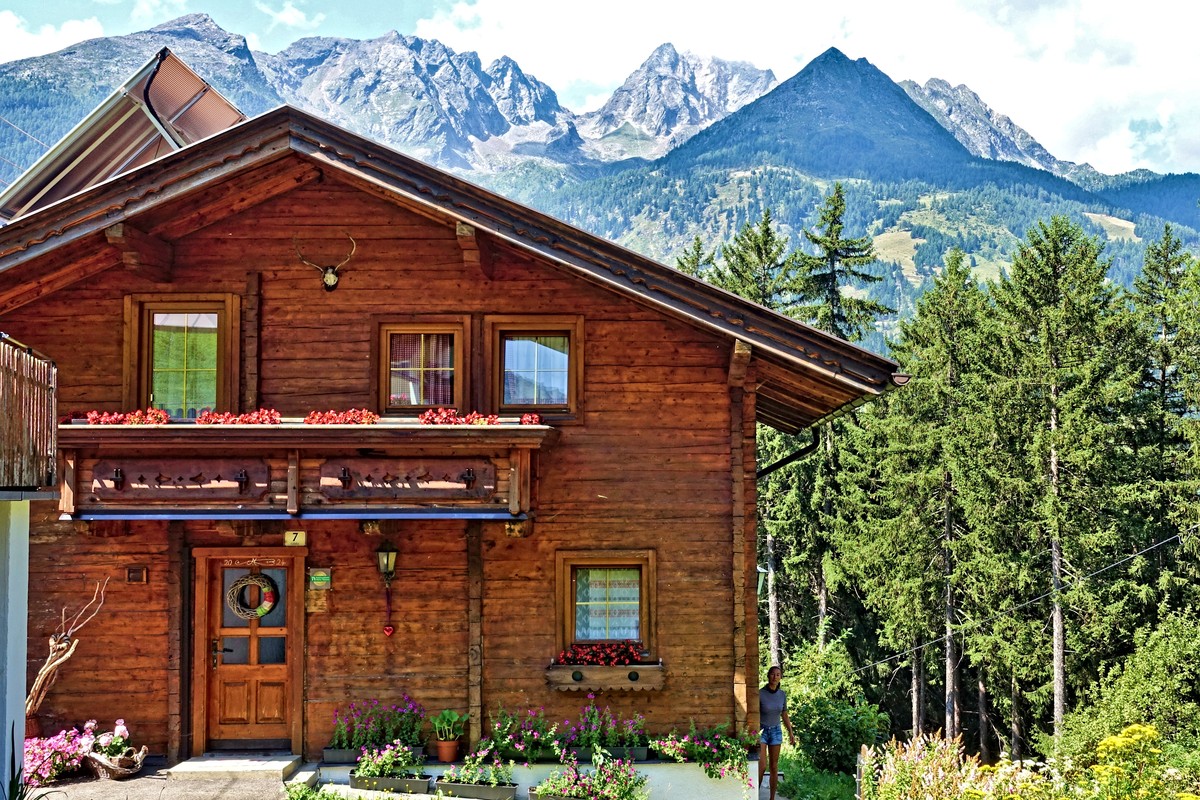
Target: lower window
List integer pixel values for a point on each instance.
(606, 596)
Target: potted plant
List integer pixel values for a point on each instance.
(447, 727)
(111, 756)
(482, 775)
(393, 768)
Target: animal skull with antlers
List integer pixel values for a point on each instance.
(329, 275)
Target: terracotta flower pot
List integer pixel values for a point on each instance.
(447, 751)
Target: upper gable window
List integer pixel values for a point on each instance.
(537, 363)
(181, 354)
(422, 366)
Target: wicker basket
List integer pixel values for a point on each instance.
(116, 767)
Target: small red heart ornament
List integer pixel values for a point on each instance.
(388, 630)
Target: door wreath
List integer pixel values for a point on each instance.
(266, 587)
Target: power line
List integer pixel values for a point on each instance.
(27, 133)
(1018, 607)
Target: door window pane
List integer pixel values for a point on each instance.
(277, 616)
(228, 618)
(272, 650)
(235, 650)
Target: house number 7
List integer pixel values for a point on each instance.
(295, 538)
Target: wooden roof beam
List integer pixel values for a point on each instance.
(147, 255)
(475, 253)
(739, 361)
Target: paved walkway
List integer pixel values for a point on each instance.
(153, 784)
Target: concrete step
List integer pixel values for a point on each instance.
(237, 766)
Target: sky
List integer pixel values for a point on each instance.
(1107, 82)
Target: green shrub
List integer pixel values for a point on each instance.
(831, 732)
(1159, 685)
(799, 780)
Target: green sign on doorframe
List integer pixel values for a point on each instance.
(320, 578)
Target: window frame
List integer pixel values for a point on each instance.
(138, 378)
(571, 326)
(567, 561)
(457, 326)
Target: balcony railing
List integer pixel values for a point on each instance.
(28, 424)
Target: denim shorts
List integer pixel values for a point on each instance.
(771, 735)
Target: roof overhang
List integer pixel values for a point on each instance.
(802, 374)
(162, 108)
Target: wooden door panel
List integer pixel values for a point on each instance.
(234, 703)
(272, 702)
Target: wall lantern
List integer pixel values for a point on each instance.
(386, 557)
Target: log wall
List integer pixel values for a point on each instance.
(647, 463)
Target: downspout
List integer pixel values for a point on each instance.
(792, 458)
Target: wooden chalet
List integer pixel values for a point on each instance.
(186, 282)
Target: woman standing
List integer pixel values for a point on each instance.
(773, 716)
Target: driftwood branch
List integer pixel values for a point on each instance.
(62, 647)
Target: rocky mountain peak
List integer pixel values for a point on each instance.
(669, 98)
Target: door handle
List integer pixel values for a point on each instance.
(217, 650)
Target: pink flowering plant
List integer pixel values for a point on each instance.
(719, 753)
(110, 743)
(50, 758)
(609, 779)
(483, 767)
(394, 760)
(523, 737)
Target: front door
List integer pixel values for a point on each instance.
(248, 630)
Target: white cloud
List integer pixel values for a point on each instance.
(155, 11)
(21, 42)
(290, 17)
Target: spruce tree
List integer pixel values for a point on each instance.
(1066, 381)
(695, 260)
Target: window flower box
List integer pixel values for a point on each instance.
(340, 755)
(591, 678)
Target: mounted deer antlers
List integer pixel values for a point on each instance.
(329, 275)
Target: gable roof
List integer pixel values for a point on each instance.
(164, 106)
(803, 374)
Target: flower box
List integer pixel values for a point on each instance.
(584, 754)
(477, 791)
(418, 784)
(590, 678)
(340, 755)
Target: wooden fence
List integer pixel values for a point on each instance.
(28, 417)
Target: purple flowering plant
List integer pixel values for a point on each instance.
(522, 736)
(373, 724)
(600, 727)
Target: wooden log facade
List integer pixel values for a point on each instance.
(653, 464)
